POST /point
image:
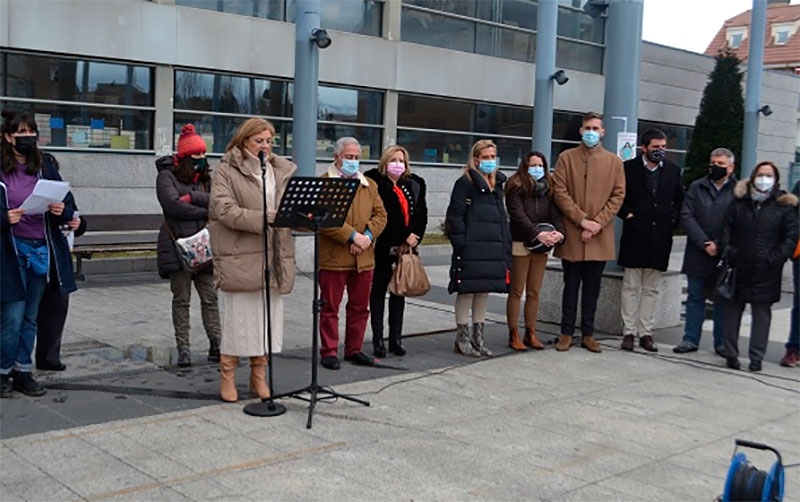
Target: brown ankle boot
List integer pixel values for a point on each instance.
(588, 343)
(513, 340)
(531, 340)
(227, 381)
(564, 343)
(258, 377)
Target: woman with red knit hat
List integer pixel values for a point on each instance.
(182, 187)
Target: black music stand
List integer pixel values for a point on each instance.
(314, 203)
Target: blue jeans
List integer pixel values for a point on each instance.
(794, 331)
(696, 314)
(18, 319)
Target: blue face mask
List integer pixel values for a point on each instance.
(487, 166)
(349, 167)
(591, 138)
(537, 172)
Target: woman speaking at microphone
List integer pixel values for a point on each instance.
(236, 226)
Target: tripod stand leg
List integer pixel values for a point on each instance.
(311, 405)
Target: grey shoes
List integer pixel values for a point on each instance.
(471, 345)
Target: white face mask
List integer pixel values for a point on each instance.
(764, 183)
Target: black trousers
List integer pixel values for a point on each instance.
(377, 301)
(590, 274)
(759, 328)
(50, 326)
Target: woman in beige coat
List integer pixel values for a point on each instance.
(237, 243)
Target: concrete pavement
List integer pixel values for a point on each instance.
(122, 423)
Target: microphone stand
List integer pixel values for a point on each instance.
(267, 407)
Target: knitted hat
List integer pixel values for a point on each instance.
(190, 143)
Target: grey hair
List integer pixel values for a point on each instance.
(342, 142)
(723, 152)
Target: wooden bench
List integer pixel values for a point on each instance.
(116, 233)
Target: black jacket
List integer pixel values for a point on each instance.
(396, 231)
(758, 238)
(702, 216)
(11, 285)
(646, 240)
(477, 227)
(183, 219)
(527, 210)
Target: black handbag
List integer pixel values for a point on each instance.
(721, 284)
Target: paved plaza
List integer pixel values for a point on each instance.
(123, 423)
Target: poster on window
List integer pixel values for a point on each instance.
(626, 145)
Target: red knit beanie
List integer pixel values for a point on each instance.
(190, 143)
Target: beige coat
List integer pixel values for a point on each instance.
(588, 183)
(367, 211)
(236, 225)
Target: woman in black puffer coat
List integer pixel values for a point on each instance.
(182, 187)
(759, 235)
(403, 196)
(477, 226)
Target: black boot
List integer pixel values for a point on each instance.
(396, 345)
(213, 351)
(378, 348)
(5, 386)
(25, 383)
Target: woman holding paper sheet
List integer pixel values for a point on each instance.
(28, 245)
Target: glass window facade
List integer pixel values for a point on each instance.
(436, 130)
(355, 16)
(504, 28)
(80, 103)
(217, 103)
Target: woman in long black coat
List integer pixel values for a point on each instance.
(759, 235)
(477, 226)
(403, 196)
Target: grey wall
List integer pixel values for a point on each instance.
(164, 35)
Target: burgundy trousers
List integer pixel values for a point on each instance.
(332, 285)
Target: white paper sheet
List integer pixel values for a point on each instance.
(44, 193)
(70, 234)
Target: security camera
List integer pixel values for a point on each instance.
(765, 110)
(321, 38)
(560, 77)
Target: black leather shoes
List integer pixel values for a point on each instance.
(5, 386)
(733, 363)
(50, 367)
(397, 348)
(378, 348)
(360, 359)
(754, 366)
(25, 383)
(330, 362)
(684, 348)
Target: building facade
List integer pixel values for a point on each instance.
(111, 83)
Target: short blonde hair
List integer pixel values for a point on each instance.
(388, 154)
(248, 129)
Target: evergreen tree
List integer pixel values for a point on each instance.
(720, 122)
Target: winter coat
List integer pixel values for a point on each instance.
(588, 183)
(528, 210)
(477, 227)
(182, 219)
(757, 239)
(366, 212)
(702, 215)
(646, 240)
(12, 288)
(236, 222)
(396, 231)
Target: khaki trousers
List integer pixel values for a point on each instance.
(639, 295)
(527, 273)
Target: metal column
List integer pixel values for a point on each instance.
(546, 21)
(623, 59)
(306, 82)
(752, 98)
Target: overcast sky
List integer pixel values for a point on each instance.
(689, 24)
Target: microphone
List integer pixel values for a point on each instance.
(262, 159)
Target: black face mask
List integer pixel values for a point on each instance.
(200, 164)
(717, 172)
(25, 145)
